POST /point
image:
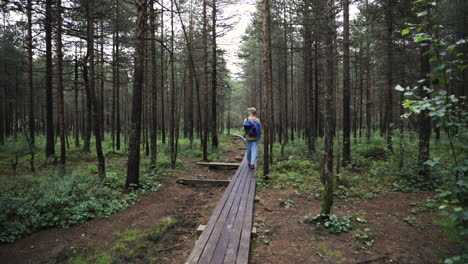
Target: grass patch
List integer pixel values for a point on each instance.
(325, 250)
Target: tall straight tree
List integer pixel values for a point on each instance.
(214, 84)
(60, 100)
(172, 125)
(117, 75)
(346, 87)
(266, 47)
(389, 102)
(205, 81)
(424, 121)
(50, 145)
(32, 123)
(154, 90)
(133, 166)
(326, 174)
(90, 7)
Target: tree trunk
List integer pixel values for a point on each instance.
(389, 103)
(346, 87)
(32, 122)
(50, 145)
(326, 175)
(133, 167)
(117, 76)
(60, 100)
(205, 81)
(93, 96)
(214, 81)
(266, 47)
(154, 89)
(172, 124)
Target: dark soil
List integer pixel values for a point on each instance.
(284, 239)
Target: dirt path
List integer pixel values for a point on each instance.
(191, 205)
(394, 239)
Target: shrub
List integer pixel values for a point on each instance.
(61, 201)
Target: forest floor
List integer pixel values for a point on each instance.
(392, 227)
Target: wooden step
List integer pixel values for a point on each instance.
(198, 182)
(201, 228)
(219, 164)
(238, 158)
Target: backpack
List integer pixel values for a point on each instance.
(252, 128)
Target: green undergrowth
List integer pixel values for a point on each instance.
(373, 170)
(57, 197)
(136, 246)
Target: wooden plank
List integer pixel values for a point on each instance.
(196, 182)
(219, 164)
(234, 239)
(244, 244)
(219, 226)
(200, 229)
(238, 158)
(201, 242)
(228, 235)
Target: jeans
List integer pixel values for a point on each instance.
(252, 146)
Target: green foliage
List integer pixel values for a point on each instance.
(60, 201)
(333, 223)
(365, 238)
(449, 113)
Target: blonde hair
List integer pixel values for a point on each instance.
(252, 110)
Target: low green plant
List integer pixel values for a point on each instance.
(365, 238)
(61, 201)
(332, 223)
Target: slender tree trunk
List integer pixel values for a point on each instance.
(50, 145)
(205, 80)
(77, 119)
(346, 87)
(389, 103)
(133, 166)
(32, 122)
(326, 175)
(154, 89)
(214, 81)
(424, 121)
(163, 80)
(266, 47)
(172, 124)
(191, 79)
(93, 96)
(60, 100)
(368, 101)
(117, 75)
(102, 79)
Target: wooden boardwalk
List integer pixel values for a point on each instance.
(226, 238)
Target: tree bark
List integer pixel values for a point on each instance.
(60, 100)
(50, 145)
(346, 87)
(154, 89)
(205, 81)
(389, 102)
(32, 121)
(91, 87)
(133, 167)
(327, 177)
(214, 81)
(266, 47)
